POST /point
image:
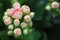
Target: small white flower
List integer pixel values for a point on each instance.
(16, 22)
(32, 14)
(25, 31)
(5, 17)
(10, 27)
(55, 5)
(27, 18)
(47, 7)
(17, 31)
(16, 5)
(30, 24)
(6, 14)
(23, 25)
(7, 21)
(10, 32)
(26, 9)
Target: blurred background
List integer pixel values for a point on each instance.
(44, 22)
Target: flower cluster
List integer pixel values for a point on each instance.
(18, 19)
(54, 5)
(53, 8)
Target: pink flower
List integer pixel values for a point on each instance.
(10, 11)
(17, 13)
(27, 18)
(17, 31)
(55, 5)
(26, 9)
(16, 5)
(5, 17)
(7, 21)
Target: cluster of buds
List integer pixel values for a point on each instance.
(18, 19)
(54, 5)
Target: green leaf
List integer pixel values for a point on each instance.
(34, 35)
(3, 36)
(44, 35)
(38, 7)
(46, 21)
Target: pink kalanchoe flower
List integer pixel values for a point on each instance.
(17, 31)
(27, 18)
(5, 17)
(55, 5)
(17, 13)
(10, 11)
(26, 9)
(7, 21)
(16, 5)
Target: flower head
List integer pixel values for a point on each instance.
(10, 32)
(10, 11)
(47, 7)
(16, 22)
(23, 25)
(25, 31)
(7, 20)
(17, 31)
(32, 14)
(26, 9)
(27, 18)
(5, 17)
(17, 13)
(55, 5)
(10, 27)
(16, 5)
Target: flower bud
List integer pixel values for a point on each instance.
(55, 5)
(23, 25)
(10, 27)
(32, 14)
(7, 21)
(26, 9)
(10, 32)
(30, 24)
(25, 31)
(5, 17)
(16, 5)
(27, 18)
(16, 22)
(6, 14)
(47, 7)
(17, 31)
(10, 11)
